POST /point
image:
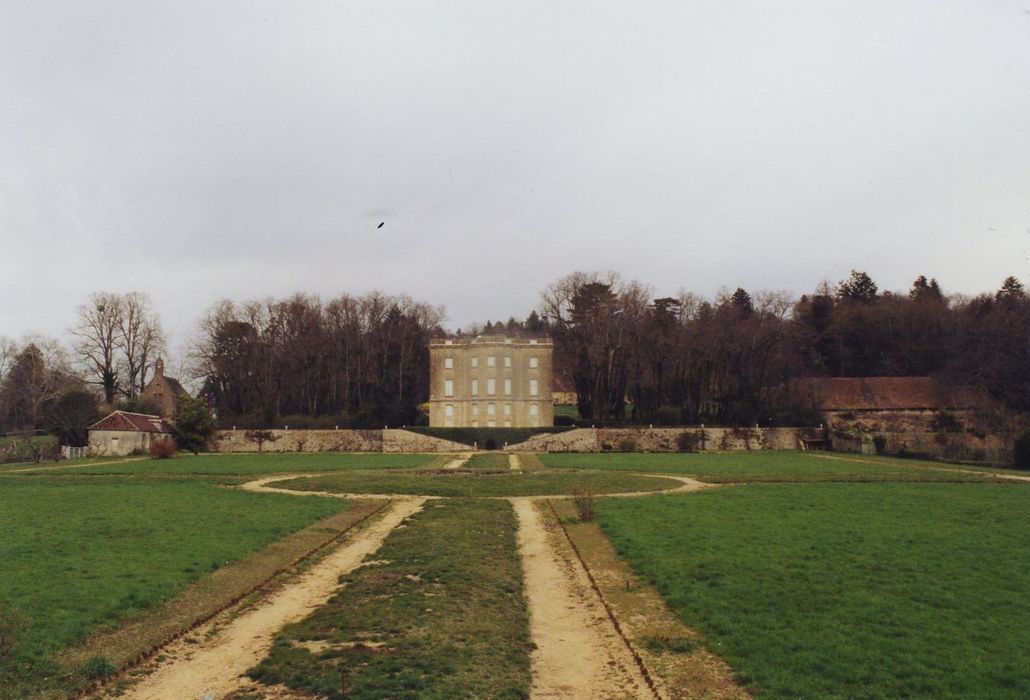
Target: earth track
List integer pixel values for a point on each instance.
(211, 662)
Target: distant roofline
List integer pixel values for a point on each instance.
(491, 340)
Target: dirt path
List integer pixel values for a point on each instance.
(38, 468)
(228, 647)
(578, 652)
(458, 462)
(514, 463)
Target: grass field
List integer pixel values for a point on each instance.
(80, 556)
(440, 616)
(846, 590)
(770, 466)
(490, 461)
(252, 464)
(479, 485)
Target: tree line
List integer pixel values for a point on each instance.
(362, 361)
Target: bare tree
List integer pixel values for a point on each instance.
(98, 332)
(140, 340)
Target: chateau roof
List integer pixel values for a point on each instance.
(878, 393)
(133, 422)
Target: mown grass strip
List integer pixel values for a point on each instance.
(672, 656)
(141, 637)
(473, 484)
(767, 466)
(80, 557)
(493, 461)
(440, 614)
(846, 590)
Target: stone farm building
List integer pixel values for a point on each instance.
(121, 433)
(163, 392)
(491, 381)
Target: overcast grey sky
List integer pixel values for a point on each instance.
(198, 151)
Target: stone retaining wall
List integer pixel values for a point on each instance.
(297, 441)
(660, 440)
(330, 441)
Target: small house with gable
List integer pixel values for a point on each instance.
(121, 433)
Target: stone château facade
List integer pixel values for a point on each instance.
(490, 381)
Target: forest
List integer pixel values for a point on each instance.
(362, 361)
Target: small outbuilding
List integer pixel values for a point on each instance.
(121, 433)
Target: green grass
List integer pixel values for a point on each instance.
(247, 464)
(846, 591)
(766, 466)
(80, 556)
(442, 616)
(478, 485)
(492, 461)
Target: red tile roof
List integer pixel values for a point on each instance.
(878, 393)
(137, 422)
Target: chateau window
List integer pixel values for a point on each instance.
(534, 410)
(491, 386)
(475, 362)
(491, 424)
(491, 409)
(491, 361)
(448, 413)
(475, 409)
(532, 363)
(507, 360)
(475, 387)
(534, 415)
(475, 423)
(534, 387)
(448, 387)
(507, 387)
(507, 409)
(448, 363)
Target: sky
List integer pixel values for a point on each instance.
(198, 151)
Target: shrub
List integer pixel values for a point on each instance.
(564, 420)
(880, 443)
(627, 445)
(162, 449)
(945, 421)
(585, 503)
(687, 441)
(490, 444)
(1021, 451)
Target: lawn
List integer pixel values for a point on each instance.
(846, 590)
(767, 466)
(475, 484)
(80, 556)
(491, 461)
(439, 615)
(254, 464)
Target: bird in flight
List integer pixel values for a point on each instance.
(380, 225)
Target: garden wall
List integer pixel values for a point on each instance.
(660, 440)
(329, 441)
(963, 437)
